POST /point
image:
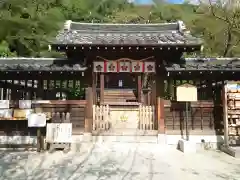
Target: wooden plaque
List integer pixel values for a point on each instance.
(37, 120)
(4, 104)
(186, 93)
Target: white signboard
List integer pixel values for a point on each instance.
(4, 104)
(59, 133)
(25, 104)
(37, 120)
(186, 93)
(6, 113)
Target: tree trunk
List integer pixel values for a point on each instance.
(228, 43)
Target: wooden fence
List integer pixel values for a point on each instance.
(204, 117)
(102, 119)
(146, 117)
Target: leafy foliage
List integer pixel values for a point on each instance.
(27, 26)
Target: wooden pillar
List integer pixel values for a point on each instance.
(102, 88)
(160, 115)
(153, 94)
(94, 88)
(89, 110)
(159, 103)
(225, 114)
(139, 86)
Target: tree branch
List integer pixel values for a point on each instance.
(214, 13)
(228, 43)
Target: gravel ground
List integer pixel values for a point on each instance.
(119, 161)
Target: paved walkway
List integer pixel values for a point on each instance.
(119, 162)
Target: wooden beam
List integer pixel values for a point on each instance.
(94, 87)
(89, 110)
(159, 98)
(225, 114)
(160, 115)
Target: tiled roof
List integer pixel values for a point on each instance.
(38, 64)
(206, 64)
(125, 34)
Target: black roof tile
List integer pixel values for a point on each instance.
(125, 34)
(38, 64)
(206, 64)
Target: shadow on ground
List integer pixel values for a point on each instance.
(98, 162)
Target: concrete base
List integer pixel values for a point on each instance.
(232, 151)
(126, 139)
(162, 139)
(187, 146)
(201, 142)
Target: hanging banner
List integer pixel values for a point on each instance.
(137, 66)
(112, 66)
(124, 66)
(98, 66)
(149, 67)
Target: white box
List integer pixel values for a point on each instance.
(187, 146)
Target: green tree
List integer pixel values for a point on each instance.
(27, 25)
(219, 25)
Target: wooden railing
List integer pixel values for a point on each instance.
(102, 120)
(101, 117)
(146, 117)
(202, 116)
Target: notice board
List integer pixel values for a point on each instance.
(186, 93)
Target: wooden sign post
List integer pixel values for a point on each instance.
(37, 120)
(186, 93)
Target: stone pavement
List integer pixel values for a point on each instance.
(119, 161)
